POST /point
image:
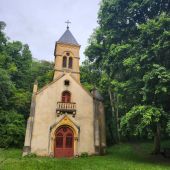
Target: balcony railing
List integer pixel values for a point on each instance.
(69, 108)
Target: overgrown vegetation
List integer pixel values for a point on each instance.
(128, 59)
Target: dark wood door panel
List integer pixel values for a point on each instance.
(64, 142)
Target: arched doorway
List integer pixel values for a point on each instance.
(64, 142)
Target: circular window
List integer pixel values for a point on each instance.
(67, 53)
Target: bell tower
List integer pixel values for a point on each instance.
(67, 56)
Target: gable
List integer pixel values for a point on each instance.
(65, 120)
(66, 76)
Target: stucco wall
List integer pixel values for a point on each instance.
(74, 52)
(45, 115)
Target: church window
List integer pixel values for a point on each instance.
(67, 54)
(64, 61)
(66, 97)
(70, 62)
(66, 82)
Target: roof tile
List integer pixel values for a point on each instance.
(68, 38)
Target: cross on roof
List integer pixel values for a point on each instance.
(68, 22)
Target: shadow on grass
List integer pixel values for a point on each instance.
(137, 152)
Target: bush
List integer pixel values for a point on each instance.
(31, 155)
(12, 129)
(84, 154)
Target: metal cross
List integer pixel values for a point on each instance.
(68, 22)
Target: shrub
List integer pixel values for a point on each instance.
(11, 129)
(31, 155)
(84, 154)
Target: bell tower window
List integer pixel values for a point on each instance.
(67, 61)
(64, 61)
(70, 62)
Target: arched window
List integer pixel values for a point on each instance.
(66, 97)
(70, 62)
(64, 61)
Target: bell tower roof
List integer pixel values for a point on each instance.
(68, 38)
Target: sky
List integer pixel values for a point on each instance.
(40, 23)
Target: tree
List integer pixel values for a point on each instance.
(12, 129)
(6, 89)
(131, 47)
(42, 71)
(86, 69)
(143, 120)
(18, 71)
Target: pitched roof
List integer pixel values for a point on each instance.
(68, 38)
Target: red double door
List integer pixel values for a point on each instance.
(64, 142)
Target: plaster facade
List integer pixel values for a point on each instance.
(87, 122)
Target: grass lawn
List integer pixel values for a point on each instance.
(119, 157)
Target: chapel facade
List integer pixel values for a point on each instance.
(65, 119)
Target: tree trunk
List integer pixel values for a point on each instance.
(114, 114)
(157, 139)
(111, 134)
(117, 118)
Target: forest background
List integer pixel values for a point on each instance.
(127, 59)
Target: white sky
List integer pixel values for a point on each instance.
(40, 23)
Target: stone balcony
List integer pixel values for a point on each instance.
(69, 108)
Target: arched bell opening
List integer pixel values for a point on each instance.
(67, 60)
(64, 62)
(70, 64)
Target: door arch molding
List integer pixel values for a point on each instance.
(64, 121)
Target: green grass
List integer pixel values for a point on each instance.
(134, 156)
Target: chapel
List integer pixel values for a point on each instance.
(65, 119)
